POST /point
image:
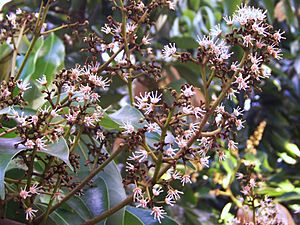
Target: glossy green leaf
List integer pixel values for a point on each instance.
(144, 216)
(7, 152)
(31, 61)
(128, 114)
(60, 150)
(51, 58)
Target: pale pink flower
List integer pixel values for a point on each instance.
(158, 213)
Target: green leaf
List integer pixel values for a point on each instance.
(225, 211)
(128, 114)
(231, 5)
(51, 58)
(112, 180)
(286, 158)
(109, 124)
(60, 150)
(144, 217)
(7, 153)
(31, 61)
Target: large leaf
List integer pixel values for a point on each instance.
(60, 150)
(7, 153)
(31, 61)
(81, 208)
(51, 58)
(112, 186)
(128, 114)
(137, 216)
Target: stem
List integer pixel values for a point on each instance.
(109, 212)
(50, 202)
(130, 92)
(39, 24)
(81, 184)
(205, 87)
(16, 50)
(8, 131)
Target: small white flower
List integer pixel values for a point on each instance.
(137, 193)
(29, 144)
(128, 128)
(170, 152)
(248, 40)
(34, 189)
(99, 135)
(242, 82)
(154, 97)
(156, 190)
(232, 145)
(42, 80)
(169, 50)
(187, 91)
(185, 179)
(170, 201)
(153, 127)
(40, 143)
(24, 194)
(158, 213)
(141, 155)
(239, 124)
(174, 194)
(106, 29)
(30, 213)
(23, 86)
(238, 112)
(204, 161)
(142, 203)
(146, 40)
(129, 167)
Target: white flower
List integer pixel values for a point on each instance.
(170, 201)
(216, 31)
(174, 174)
(199, 112)
(185, 179)
(188, 110)
(99, 135)
(142, 101)
(40, 143)
(278, 36)
(181, 142)
(106, 29)
(129, 167)
(142, 203)
(23, 86)
(187, 91)
(34, 119)
(232, 145)
(156, 190)
(238, 111)
(204, 161)
(153, 127)
(24, 194)
(30, 213)
(239, 124)
(42, 80)
(137, 193)
(141, 155)
(158, 213)
(154, 97)
(170, 152)
(29, 144)
(172, 4)
(242, 82)
(169, 50)
(128, 128)
(248, 40)
(34, 189)
(174, 194)
(146, 40)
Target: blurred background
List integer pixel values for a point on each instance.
(277, 103)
